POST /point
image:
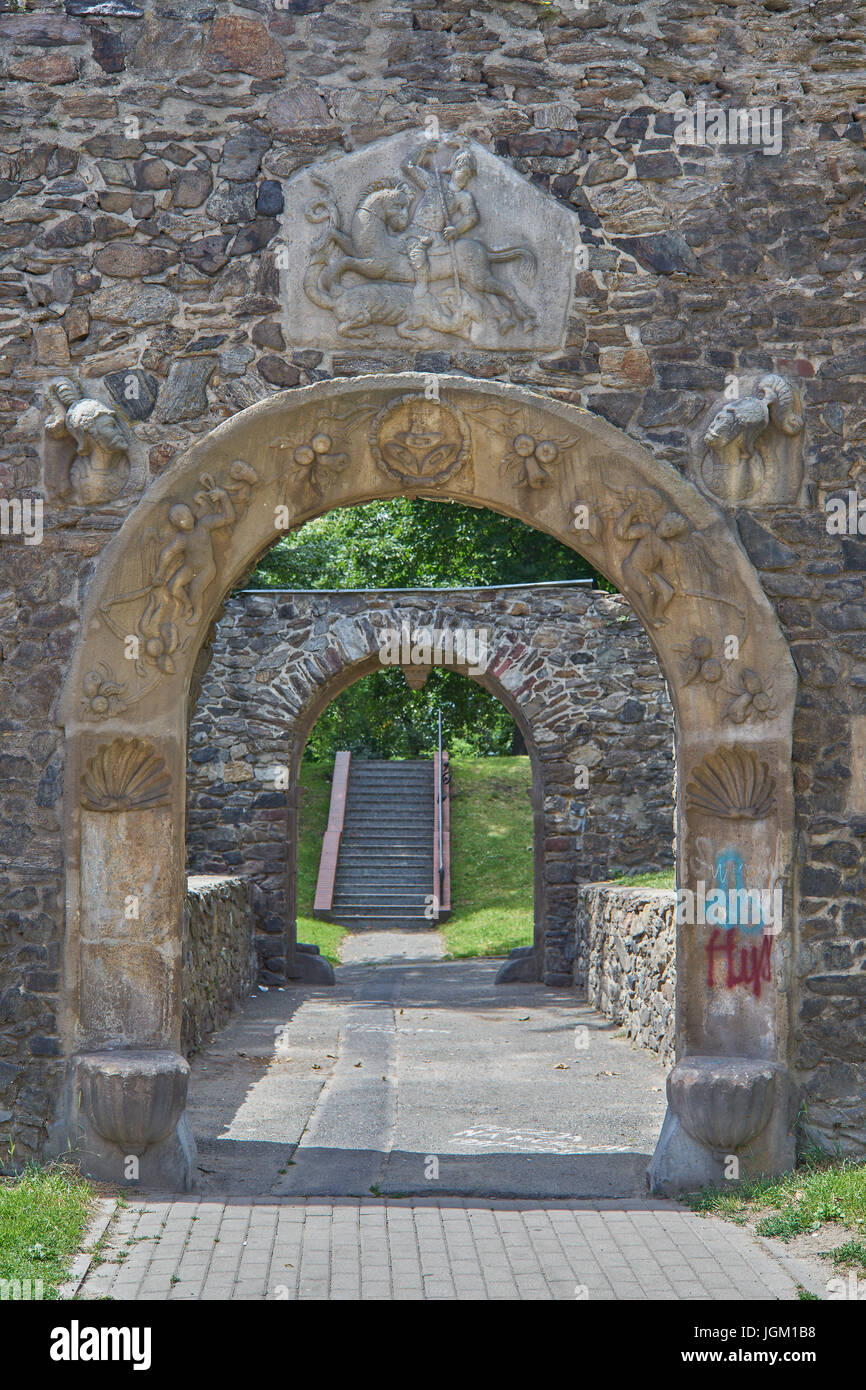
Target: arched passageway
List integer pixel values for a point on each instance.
(569, 663)
(152, 600)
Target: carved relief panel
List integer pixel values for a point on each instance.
(90, 456)
(413, 241)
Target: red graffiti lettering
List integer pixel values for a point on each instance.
(753, 968)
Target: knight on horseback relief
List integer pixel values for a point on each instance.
(410, 258)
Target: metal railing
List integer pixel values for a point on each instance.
(440, 790)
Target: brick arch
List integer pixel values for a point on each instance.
(157, 587)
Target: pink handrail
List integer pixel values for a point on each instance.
(441, 834)
(333, 834)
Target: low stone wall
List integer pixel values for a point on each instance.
(625, 960)
(219, 959)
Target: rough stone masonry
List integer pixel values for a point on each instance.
(145, 149)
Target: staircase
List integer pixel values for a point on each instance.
(385, 865)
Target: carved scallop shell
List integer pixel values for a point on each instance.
(733, 783)
(125, 775)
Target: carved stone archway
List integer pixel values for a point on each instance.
(153, 597)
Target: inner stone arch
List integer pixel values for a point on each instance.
(564, 659)
(155, 592)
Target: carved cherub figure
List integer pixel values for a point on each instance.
(187, 564)
(650, 565)
(101, 464)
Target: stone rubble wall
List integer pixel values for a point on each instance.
(576, 662)
(142, 161)
(625, 960)
(219, 961)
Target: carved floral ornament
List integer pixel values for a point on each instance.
(311, 462)
(751, 696)
(127, 774)
(310, 457)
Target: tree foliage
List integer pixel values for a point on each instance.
(415, 543)
(380, 717)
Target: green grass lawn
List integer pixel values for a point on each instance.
(663, 878)
(823, 1195)
(43, 1217)
(491, 857)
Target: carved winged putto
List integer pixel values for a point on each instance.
(179, 560)
(653, 529)
(125, 775)
(733, 783)
(746, 443)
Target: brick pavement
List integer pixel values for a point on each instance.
(446, 1248)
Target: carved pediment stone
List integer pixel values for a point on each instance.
(424, 243)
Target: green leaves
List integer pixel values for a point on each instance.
(380, 717)
(416, 543)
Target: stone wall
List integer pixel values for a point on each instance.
(218, 955)
(573, 664)
(625, 960)
(142, 163)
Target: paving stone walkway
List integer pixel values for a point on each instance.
(418, 1132)
(456, 1248)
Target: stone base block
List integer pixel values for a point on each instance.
(520, 968)
(169, 1166)
(123, 1120)
(727, 1118)
(307, 966)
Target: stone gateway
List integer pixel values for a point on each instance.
(667, 549)
(255, 266)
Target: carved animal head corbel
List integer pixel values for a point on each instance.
(753, 447)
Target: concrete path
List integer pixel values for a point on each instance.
(417, 1132)
(419, 1076)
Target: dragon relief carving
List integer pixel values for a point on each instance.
(410, 258)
